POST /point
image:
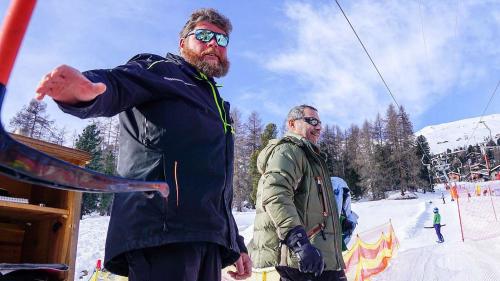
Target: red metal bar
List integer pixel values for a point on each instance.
(460, 220)
(492, 204)
(12, 33)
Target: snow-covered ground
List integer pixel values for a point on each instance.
(419, 256)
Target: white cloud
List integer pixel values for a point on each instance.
(324, 54)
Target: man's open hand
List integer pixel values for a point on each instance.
(67, 85)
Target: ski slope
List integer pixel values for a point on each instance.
(461, 133)
(419, 258)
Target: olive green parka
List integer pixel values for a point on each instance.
(294, 189)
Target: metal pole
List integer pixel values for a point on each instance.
(492, 205)
(460, 219)
(484, 123)
(12, 33)
(430, 179)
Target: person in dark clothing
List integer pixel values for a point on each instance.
(174, 127)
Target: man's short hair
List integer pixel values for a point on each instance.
(297, 112)
(209, 15)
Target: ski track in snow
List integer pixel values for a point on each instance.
(421, 259)
(444, 262)
(414, 227)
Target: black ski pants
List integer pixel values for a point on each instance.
(197, 261)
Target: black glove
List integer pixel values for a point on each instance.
(347, 226)
(310, 259)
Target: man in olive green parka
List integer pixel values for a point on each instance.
(297, 228)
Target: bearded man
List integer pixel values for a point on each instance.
(174, 127)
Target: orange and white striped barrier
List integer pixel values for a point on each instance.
(365, 260)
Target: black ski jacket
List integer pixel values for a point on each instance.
(174, 127)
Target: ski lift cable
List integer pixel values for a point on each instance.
(456, 26)
(484, 112)
(368, 54)
(376, 68)
(456, 22)
(491, 98)
(426, 52)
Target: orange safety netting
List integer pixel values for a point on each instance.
(365, 259)
(478, 208)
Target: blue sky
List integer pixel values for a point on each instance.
(441, 59)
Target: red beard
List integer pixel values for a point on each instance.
(208, 68)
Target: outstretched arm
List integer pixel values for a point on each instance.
(106, 92)
(68, 85)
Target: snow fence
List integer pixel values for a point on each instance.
(478, 207)
(369, 254)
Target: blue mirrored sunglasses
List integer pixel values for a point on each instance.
(310, 120)
(205, 35)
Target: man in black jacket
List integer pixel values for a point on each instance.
(174, 126)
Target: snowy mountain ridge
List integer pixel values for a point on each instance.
(461, 133)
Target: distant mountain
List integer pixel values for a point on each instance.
(461, 133)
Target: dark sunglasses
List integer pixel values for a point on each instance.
(311, 121)
(205, 35)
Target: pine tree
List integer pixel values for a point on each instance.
(382, 161)
(332, 144)
(391, 135)
(424, 153)
(254, 176)
(339, 153)
(270, 132)
(351, 168)
(240, 182)
(364, 158)
(90, 141)
(254, 131)
(109, 162)
(253, 143)
(34, 122)
(109, 131)
(326, 146)
(59, 136)
(410, 162)
(378, 130)
(109, 168)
